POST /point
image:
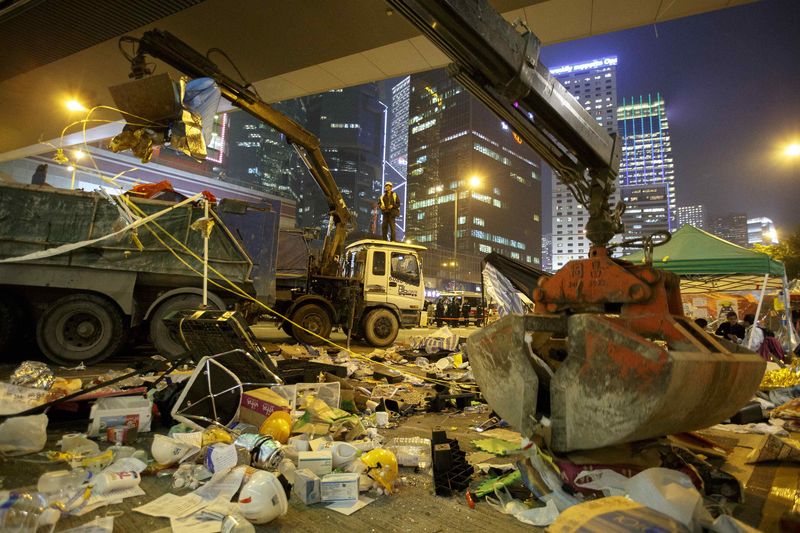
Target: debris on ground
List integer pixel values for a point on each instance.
(236, 449)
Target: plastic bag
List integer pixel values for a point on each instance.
(23, 434)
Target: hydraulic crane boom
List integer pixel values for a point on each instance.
(501, 67)
(174, 52)
(612, 358)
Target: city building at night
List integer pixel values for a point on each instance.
(350, 125)
(731, 227)
(593, 83)
(473, 187)
(547, 252)
(395, 167)
(694, 215)
(761, 230)
(646, 173)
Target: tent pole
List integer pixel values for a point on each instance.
(758, 309)
(787, 302)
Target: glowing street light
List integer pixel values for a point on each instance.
(74, 105)
(792, 150)
(78, 155)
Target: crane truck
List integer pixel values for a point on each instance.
(369, 288)
(608, 356)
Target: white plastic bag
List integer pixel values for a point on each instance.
(23, 434)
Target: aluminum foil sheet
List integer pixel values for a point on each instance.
(34, 374)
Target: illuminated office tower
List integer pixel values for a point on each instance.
(694, 215)
(452, 139)
(646, 173)
(761, 230)
(594, 85)
(731, 227)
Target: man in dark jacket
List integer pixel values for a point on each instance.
(465, 309)
(390, 208)
(440, 313)
(731, 329)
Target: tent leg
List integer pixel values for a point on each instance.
(787, 302)
(758, 309)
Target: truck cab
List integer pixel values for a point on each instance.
(391, 276)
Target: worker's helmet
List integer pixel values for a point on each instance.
(381, 466)
(278, 425)
(262, 498)
(388, 184)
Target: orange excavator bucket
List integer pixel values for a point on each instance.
(593, 379)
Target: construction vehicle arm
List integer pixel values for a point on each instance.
(500, 66)
(179, 55)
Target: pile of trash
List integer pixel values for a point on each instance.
(241, 449)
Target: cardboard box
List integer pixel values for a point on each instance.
(306, 486)
(258, 404)
(339, 487)
(129, 411)
(320, 462)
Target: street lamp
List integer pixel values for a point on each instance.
(792, 150)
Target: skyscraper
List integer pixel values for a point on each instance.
(646, 173)
(694, 215)
(593, 83)
(350, 126)
(453, 138)
(396, 159)
(731, 227)
(761, 230)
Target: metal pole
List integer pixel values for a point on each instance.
(758, 309)
(205, 258)
(455, 226)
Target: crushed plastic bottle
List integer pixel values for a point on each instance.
(411, 451)
(20, 511)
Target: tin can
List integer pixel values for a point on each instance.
(265, 452)
(121, 434)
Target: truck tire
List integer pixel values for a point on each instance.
(8, 324)
(80, 328)
(313, 318)
(164, 341)
(380, 327)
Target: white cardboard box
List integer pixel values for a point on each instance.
(131, 411)
(339, 487)
(306, 486)
(320, 462)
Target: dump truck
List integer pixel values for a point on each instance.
(83, 297)
(608, 356)
(370, 288)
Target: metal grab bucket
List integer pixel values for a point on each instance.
(601, 383)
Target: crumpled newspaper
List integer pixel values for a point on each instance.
(34, 374)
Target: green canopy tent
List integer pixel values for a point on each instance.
(705, 263)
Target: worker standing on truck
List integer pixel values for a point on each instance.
(390, 207)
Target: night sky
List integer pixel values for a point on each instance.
(731, 86)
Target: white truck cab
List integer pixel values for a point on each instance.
(391, 274)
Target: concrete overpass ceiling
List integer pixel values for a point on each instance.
(289, 49)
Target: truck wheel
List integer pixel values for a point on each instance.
(313, 318)
(380, 327)
(163, 339)
(8, 324)
(80, 328)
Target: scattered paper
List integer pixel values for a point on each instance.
(171, 506)
(348, 508)
(221, 458)
(96, 501)
(771, 448)
(222, 486)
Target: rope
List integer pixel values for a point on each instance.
(234, 289)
